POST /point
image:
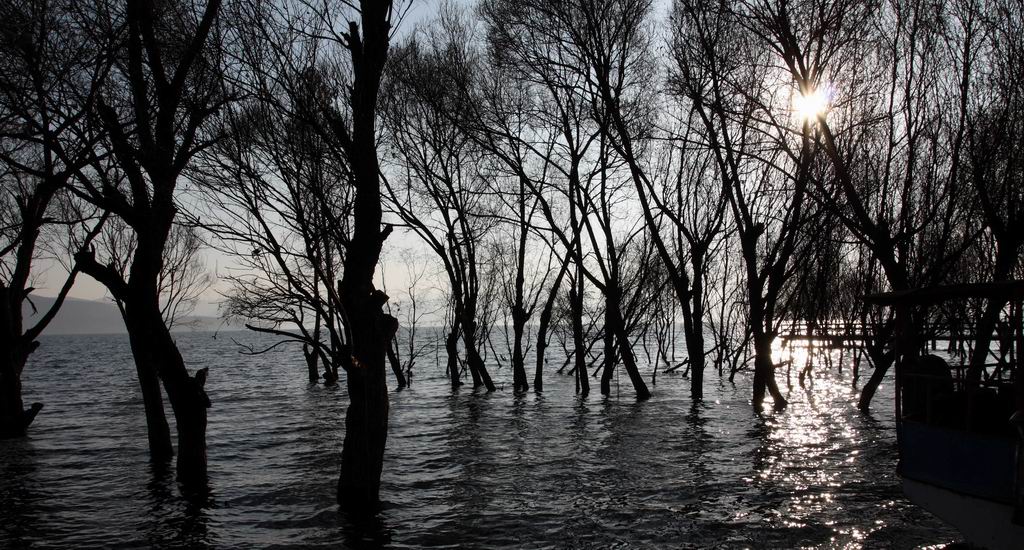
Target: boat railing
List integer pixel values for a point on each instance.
(948, 400)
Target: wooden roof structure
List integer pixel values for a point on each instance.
(1006, 290)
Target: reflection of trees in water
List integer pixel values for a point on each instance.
(20, 512)
(469, 451)
(699, 443)
(818, 459)
(364, 530)
(177, 520)
(521, 424)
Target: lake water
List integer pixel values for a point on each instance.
(462, 470)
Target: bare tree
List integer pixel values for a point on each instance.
(895, 135)
(370, 329)
(500, 121)
(764, 174)
(278, 191)
(444, 197)
(692, 203)
(317, 68)
(537, 40)
(48, 79)
(154, 109)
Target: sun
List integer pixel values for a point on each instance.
(809, 106)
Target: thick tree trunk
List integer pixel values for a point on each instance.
(477, 368)
(11, 405)
(764, 372)
(693, 326)
(189, 402)
(155, 351)
(15, 344)
(579, 346)
(695, 353)
(610, 356)
(882, 363)
(366, 429)
(14, 419)
(881, 359)
(157, 429)
(629, 362)
(366, 420)
(983, 340)
(615, 327)
(157, 355)
(519, 381)
(159, 432)
(152, 161)
(451, 345)
(396, 365)
(312, 363)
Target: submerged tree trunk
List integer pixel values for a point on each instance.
(477, 368)
(11, 405)
(157, 429)
(366, 419)
(693, 325)
(881, 359)
(310, 352)
(519, 381)
(159, 433)
(615, 327)
(451, 345)
(519, 312)
(764, 371)
(396, 365)
(1006, 259)
(610, 356)
(579, 346)
(983, 340)
(694, 335)
(629, 363)
(542, 346)
(545, 321)
(156, 353)
(882, 362)
(312, 363)
(370, 330)
(14, 419)
(331, 369)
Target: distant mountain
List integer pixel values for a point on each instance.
(76, 316)
(79, 316)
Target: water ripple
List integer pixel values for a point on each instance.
(464, 469)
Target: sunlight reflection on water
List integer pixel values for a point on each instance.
(468, 469)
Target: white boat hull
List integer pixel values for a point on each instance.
(982, 522)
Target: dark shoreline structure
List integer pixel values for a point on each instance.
(960, 434)
(614, 173)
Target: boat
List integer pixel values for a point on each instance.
(960, 439)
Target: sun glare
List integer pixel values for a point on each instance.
(810, 106)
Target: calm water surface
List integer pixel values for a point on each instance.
(464, 470)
